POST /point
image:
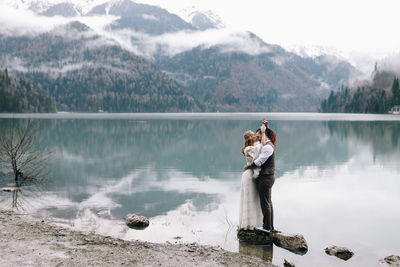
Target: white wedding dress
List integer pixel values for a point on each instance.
(250, 214)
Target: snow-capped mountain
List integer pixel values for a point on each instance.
(201, 19)
(225, 69)
(364, 62)
(40, 6)
(315, 51)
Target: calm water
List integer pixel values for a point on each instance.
(338, 179)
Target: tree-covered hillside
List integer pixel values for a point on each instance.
(18, 95)
(275, 80)
(85, 73)
(138, 62)
(377, 96)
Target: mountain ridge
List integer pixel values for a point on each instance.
(212, 69)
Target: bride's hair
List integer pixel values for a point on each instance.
(248, 137)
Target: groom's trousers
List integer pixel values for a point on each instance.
(264, 186)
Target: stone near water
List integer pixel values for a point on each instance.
(340, 252)
(392, 260)
(255, 237)
(136, 221)
(296, 243)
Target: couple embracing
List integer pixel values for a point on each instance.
(256, 211)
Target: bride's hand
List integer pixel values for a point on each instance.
(263, 128)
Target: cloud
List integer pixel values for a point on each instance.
(391, 63)
(149, 17)
(21, 22)
(178, 42)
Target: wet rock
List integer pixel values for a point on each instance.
(136, 221)
(293, 242)
(287, 263)
(254, 237)
(340, 252)
(392, 260)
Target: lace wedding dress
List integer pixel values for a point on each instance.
(250, 214)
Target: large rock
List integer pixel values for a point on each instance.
(254, 237)
(293, 242)
(340, 252)
(392, 260)
(136, 221)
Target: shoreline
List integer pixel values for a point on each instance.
(28, 241)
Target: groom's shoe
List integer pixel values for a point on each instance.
(262, 229)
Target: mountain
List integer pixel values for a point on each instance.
(275, 80)
(141, 18)
(84, 72)
(148, 55)
(378, 95)
(62, 9)
(17, 95)
(201, 20)
(54, 7)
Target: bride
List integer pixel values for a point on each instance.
(250, 214)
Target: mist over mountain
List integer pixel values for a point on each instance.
(378, 93)
(83, 72)
(270, 81)
(119, 55)
(141, 18)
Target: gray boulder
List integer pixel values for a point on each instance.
(136, 221)
(254, 237)
(392, 260)
(340, 252)
(293, 242)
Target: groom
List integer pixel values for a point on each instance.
(266, 179)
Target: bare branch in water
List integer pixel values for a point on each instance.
(19, 151)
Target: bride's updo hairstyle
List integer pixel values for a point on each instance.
(248, 137)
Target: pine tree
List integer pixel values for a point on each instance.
(396, 92)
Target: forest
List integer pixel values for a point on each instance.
(18, 95)
(379, 96)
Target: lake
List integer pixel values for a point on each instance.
(338, 179)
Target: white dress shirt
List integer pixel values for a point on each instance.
(266, 152)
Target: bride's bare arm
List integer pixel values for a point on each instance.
(264, 138)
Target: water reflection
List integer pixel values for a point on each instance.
(337, 180)
(264, 252)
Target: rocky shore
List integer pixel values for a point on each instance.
(26, 241)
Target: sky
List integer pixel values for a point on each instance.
(363, 25)
(353, 28)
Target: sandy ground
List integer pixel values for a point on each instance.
(26, 241)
